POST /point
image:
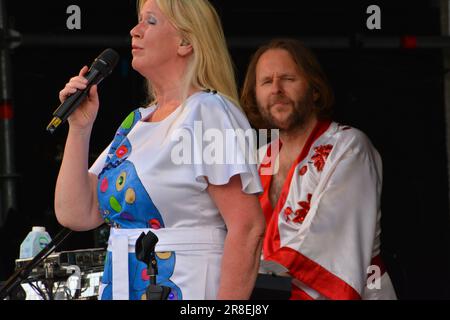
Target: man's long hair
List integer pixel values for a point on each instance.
(308, 66)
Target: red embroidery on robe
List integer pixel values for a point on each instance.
(301, 213)
(303, 170)
(321, 155)
(287, 212)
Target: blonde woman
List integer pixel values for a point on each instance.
(206, 214)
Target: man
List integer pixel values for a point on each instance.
(322, 203)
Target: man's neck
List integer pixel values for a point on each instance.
(295, 139)
(293, 142)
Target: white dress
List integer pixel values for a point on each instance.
(153, 176)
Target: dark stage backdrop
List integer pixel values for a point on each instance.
(396, 96)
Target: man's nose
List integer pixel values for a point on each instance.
(276, 86)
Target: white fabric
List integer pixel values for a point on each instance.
(179, 239)
(385, 292)
(119, 246)
(341, 231)
(178, 191)
(186, 242)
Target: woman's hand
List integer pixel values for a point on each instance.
(84, 115)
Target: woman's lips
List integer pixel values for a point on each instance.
(135, 48)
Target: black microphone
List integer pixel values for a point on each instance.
(145, 252)
(100, 69)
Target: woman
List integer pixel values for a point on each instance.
(209, 246)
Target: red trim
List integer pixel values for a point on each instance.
(314, 275)
(409, 42)
(302, 268)
(378, 261)
(6, 111)
(266, 179)
(299, 294)
(264, 200)
(272, 239)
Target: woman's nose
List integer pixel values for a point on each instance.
(135, 32)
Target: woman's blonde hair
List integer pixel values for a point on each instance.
(211, 66)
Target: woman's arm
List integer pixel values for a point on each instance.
(76, 192)
(245, 223)
(76, 204)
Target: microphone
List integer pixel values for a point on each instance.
(100, 69)
(145, 252)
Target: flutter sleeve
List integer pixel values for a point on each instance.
(224, 144)
(99, 163)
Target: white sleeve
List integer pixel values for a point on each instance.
(224, 144)
(336, 239)
(98, 164)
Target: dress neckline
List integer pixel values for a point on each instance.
(148, 111)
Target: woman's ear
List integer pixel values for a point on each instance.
(185, 48)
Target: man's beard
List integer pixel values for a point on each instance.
(301, 113)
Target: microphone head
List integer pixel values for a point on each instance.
(145, 247)
(106, 62)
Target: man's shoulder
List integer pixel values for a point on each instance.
(348, 135)
(338, 136)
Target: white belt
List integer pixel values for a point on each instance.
(122, 241)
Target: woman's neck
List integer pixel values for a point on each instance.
(172, 96)
(167, 102)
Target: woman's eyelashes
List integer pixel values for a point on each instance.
(151, 20)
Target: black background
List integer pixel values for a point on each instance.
(396, 96)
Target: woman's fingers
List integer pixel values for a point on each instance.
(77, 84)
(83, 71)
(78, 79)
(93, 96)
(93, 91)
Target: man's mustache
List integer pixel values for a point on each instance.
(279, 99)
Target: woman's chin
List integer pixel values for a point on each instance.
(136, 65)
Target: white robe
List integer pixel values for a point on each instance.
(325, 229)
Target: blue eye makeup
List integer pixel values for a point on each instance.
(151, 20)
